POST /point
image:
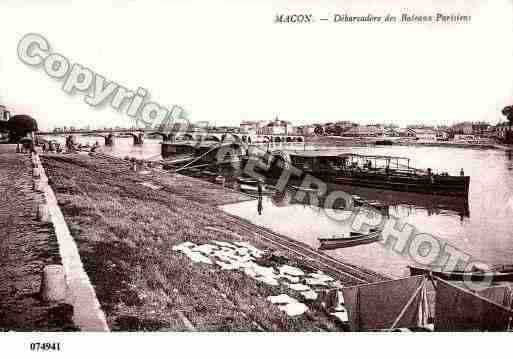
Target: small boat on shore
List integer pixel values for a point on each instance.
(354, 239)
(383, 143)
(360, 202)
(208, 173)
(304, 189)
(496, 276)
(247, 180)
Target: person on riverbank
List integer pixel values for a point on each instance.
(462, 173)
(260, 206)
(95, 147)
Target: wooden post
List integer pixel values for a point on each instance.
(43, 214)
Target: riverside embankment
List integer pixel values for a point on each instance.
(27, 245)
(128, 226)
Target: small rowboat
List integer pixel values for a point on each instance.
(249, 181)
(481, 276)
(303, 189)
(354, 239)
(265, 190)
(360, 202)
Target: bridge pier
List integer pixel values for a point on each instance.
(139, 139)
(109, 140)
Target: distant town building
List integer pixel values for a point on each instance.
(442, 134)
(500, 130)
(202, 124)
(276, 127)
(227, 129)
(464, 138)
(306, 130)
(462, 128)
(391, 132)
(338, 128)
(403, 132)
(480, 128)
(5, 114)
(422, 134)
(365, 131)
(249, 127)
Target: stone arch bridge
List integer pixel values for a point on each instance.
(139, 136)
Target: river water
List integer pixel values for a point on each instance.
(482, 227)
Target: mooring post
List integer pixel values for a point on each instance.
(43, 213)
(53, 283)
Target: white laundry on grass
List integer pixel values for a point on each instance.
(309, 294)
(151, 185)
(289, 270)
(299, 287)
(281, 299)
(289, 305)
(242, 256)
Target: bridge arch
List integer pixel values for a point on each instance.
(138, 138)
(211, 138)
(184, 137)
(164, 136)
(109, 139)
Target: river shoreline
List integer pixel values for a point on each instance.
(371, 141)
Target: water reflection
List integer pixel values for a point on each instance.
(480, 225)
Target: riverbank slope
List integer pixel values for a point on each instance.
(127, 226)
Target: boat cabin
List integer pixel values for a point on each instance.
(314, 162)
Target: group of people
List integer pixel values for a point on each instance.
(26, 147)
(52, 147)
(70, 146)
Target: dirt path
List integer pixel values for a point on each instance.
(26, 246)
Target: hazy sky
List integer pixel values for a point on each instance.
(227, 61)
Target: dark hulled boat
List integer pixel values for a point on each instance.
(354, 239)
(186, 155)
(495, 276)
(383, 172)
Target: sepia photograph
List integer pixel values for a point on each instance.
(296, 177)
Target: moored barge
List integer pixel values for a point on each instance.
(190, 154)
(382, 172)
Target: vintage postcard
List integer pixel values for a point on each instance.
(224, 166)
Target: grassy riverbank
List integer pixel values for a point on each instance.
(125, 232)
